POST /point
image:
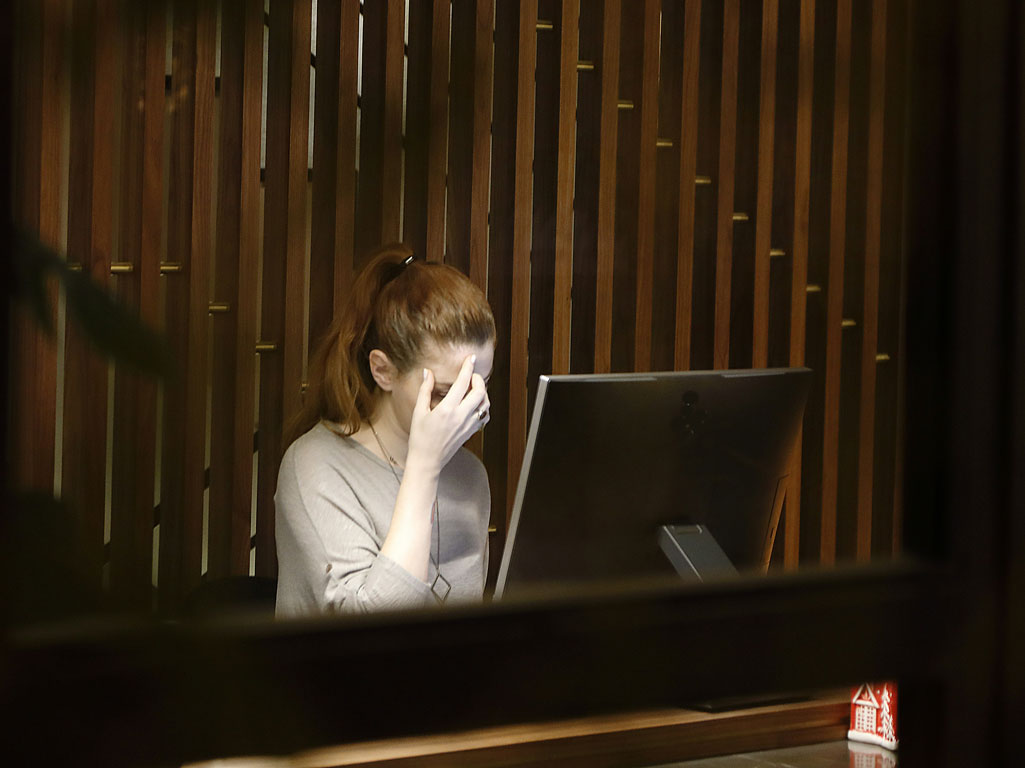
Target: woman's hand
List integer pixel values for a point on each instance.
(436, 434)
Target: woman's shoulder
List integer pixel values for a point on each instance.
(466, 466)
(319, 448)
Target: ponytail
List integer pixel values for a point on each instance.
(397, 305)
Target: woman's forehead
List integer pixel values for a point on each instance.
(446, 360)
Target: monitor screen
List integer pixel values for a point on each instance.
(611, 458)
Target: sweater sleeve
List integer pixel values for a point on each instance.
(329, 549)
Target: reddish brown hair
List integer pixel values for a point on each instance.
(398, 304)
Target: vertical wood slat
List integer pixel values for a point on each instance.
(727, 159)
(834, 299)
(279, 244)
(40, 89)
(799, 279)
(763, 215)
(420, 60)
(224, 327)
(482, 106)
(172, 573)
(646, 187)
(667, 186)
(323, 191)
(500, 266)
(379, 195)
(135, 398)
(688, 172)
(199, 263)
(436, 166)
(345, 202)
(522, 211)
(563, 310)
(246, 298)
(870, 310)
(544, 200)
(460, 136)
(586, 191)
(90, 238)
(607, 185)
(293, 341)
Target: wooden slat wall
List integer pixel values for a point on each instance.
(135, 397)
(687, 183)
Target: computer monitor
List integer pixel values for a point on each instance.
(612, 460)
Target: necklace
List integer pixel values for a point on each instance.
(440, 587)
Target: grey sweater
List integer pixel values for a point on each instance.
(334, 505)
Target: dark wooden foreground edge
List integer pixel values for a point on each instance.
(145, 694)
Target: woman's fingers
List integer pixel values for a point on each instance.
(423, 396)
(460, 386)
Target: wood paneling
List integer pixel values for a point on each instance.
(688, 182)
(569, 45)
(648, 138)
(135, 397)
(522, 210)
(834, 297)
(609, 135)
(90, 238)
(584, 163)
(727, 159)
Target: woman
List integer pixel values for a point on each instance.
(378, 506)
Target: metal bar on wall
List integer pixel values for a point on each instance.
(834, 299)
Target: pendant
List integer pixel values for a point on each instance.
(440, 586)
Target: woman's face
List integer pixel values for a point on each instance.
(444, 360)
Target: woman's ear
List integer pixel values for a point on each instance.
(382, 369)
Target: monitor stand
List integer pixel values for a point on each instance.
(697, 556)
(694, 552)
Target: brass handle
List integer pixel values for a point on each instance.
(585, 66)
(702, 180)
(740, 217)
(218, 307)
(624, 104)
(882, 357)
(545, 25)
(121, 267)
(774, 252)
(167, 267)
(266, 346)
(812, 288)
(664, 143)
(848, 323)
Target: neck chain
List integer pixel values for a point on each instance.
(440, 586)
